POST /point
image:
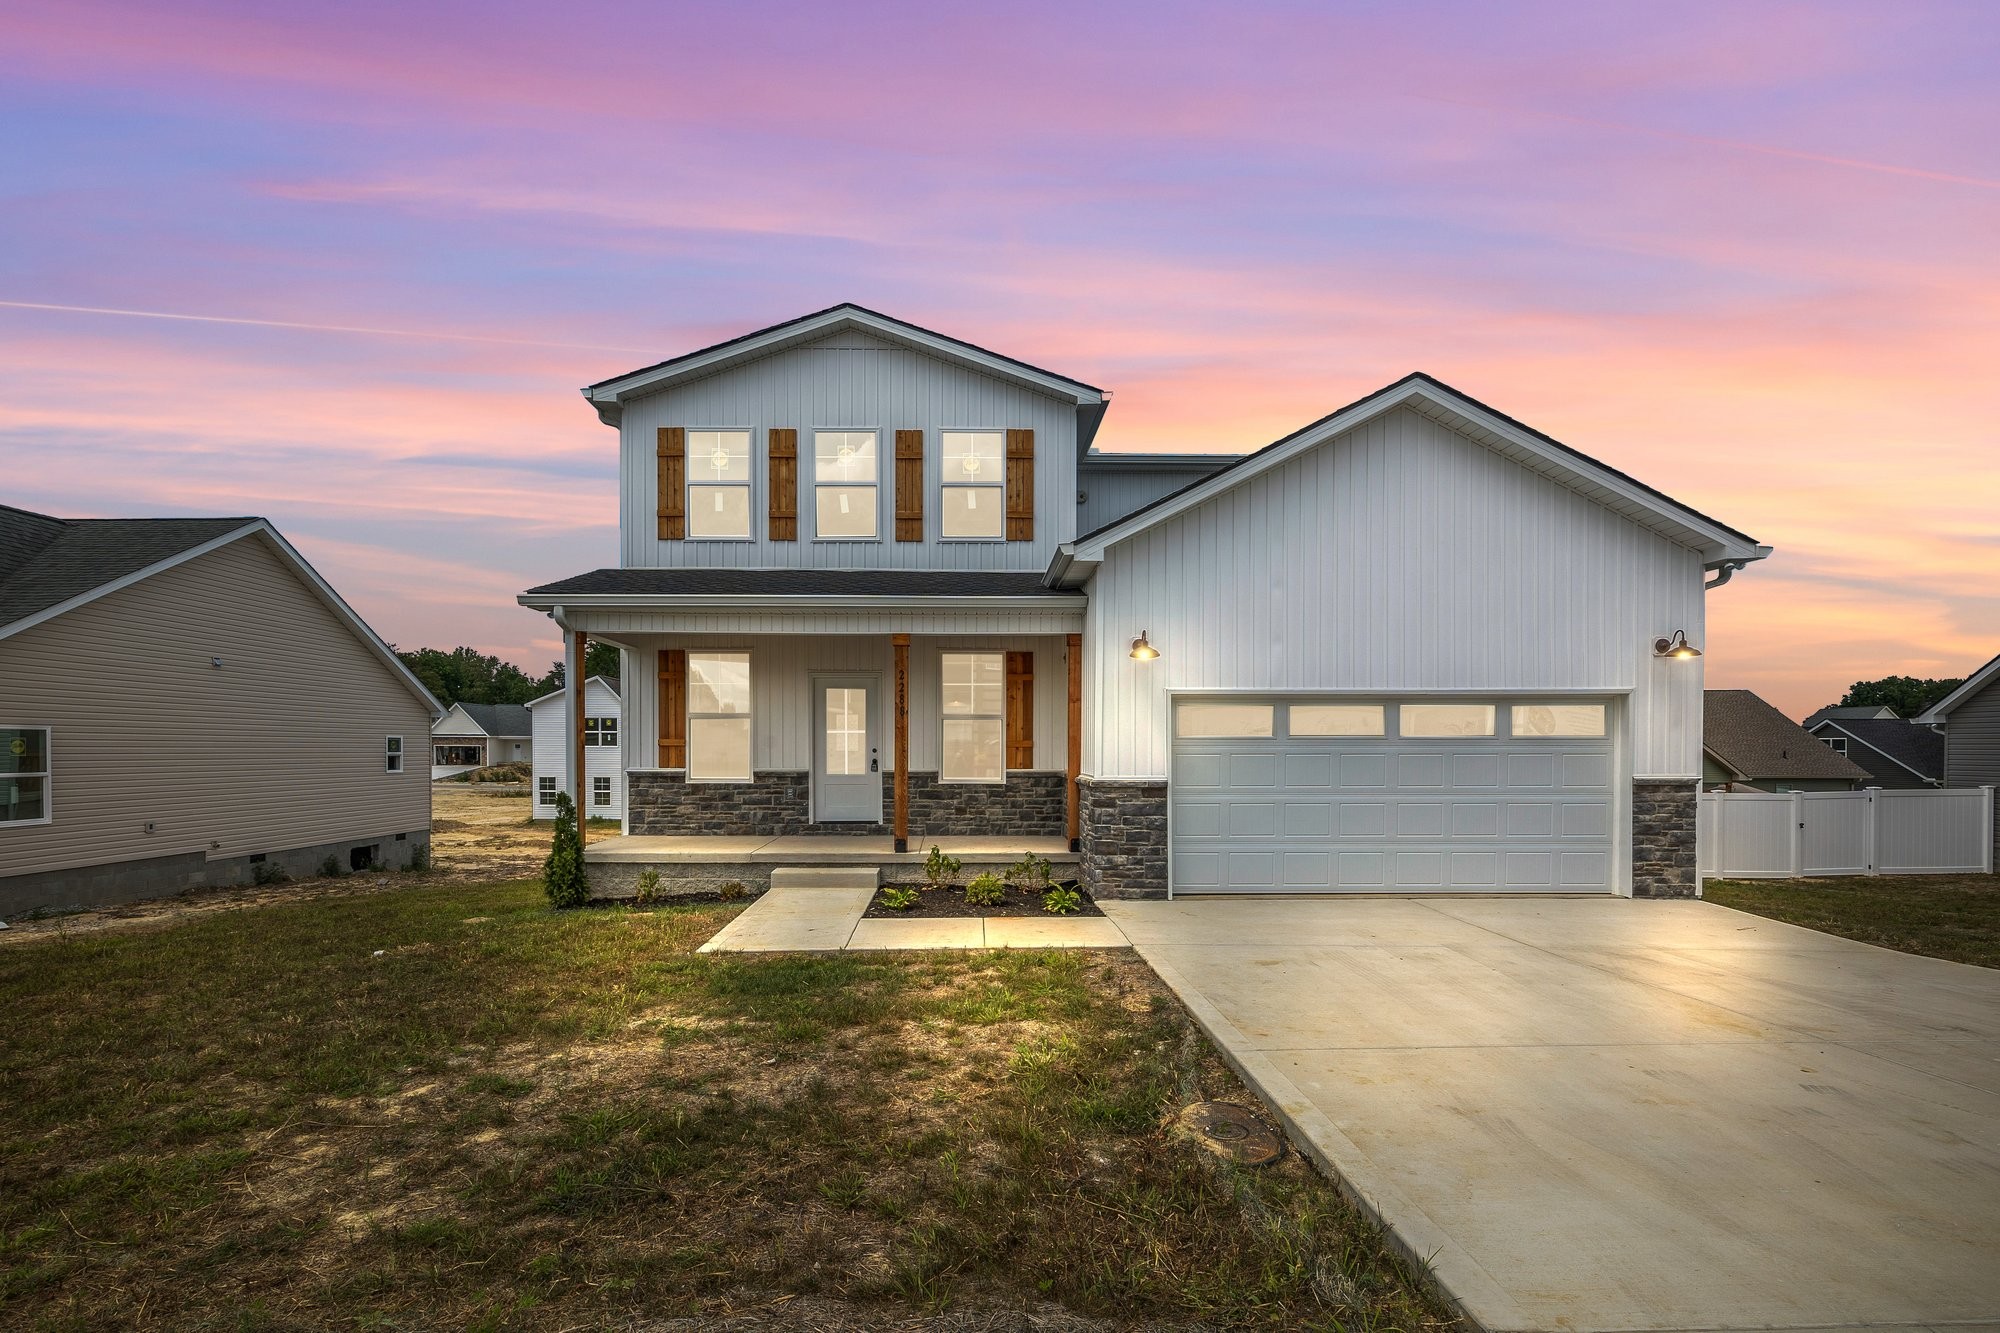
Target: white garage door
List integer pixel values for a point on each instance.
(1316, 796)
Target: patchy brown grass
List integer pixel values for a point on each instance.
(510, 1118)
(1955, 917)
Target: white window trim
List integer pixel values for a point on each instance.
(999, 717)
(392, 758)
(689, 485)
(1837, 744)
(47, 775)
(554, 786)
(688, 719)
(947, 485)
(812, 461)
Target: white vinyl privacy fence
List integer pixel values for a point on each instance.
(1752, 835)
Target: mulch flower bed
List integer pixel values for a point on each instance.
(950, 902)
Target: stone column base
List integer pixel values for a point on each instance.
(1663, 838)
(1122, 827)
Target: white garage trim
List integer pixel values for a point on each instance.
(1578, 839)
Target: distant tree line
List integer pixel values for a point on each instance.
(466, 675)
(1908, 695)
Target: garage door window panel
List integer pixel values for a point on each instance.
(1556, 720)
(1446, 721)
(1212, 721)
(1336, 720)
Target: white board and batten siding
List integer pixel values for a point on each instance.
(1401, 559)
(781, 672)
(1876, 831)
(847, 381)
(554, 742)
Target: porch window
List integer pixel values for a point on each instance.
(974, 706)
(24, 775)
(718, 499)
(846, 474)
(718, 696)
(600, 731)
(975, 495)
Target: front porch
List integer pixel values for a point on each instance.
(696, 864)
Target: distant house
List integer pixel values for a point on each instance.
(1970, 716)
(1897, 753)
(1849, 713)
(473, 736)
(604, 793)
(185, 702)
(1748, 745)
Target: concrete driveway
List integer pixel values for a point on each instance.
(1606, 1114)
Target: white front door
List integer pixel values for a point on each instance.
(847, 761)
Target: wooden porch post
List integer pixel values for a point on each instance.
(902, 827)
(1072, 813)
(580, 653)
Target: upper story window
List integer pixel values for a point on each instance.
(24, 775)
(718, 484)
(846, 478)
(600, 731)
(974, 495)
(1838, 744)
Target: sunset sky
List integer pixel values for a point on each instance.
(1749, 253)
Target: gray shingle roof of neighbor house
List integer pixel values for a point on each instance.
(1755, 740)
(1916, 748)
(1837, 712)
(500, 719)
(46, 561)
(797, 583)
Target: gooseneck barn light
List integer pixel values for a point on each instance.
(1143, 651)
(1677, 647)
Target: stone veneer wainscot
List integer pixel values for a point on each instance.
(1122, 829)
(779, 804)
(1663, 838)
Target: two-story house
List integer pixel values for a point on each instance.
(875, 581)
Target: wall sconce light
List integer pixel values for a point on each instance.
(1143, 651)
(215, 662)
(1677, 647)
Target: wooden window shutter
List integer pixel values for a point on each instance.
(673, 708)
(673, 448)
(784, 485)
(1020, 710)
(909, 485)
(1020, 485)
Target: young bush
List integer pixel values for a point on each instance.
(331, 867)
(1059, 901)
(985, 891)
(1032, 873)
(901, 899)
(939, 868)
(562, 874)
(649, 888)
(420, 859)
(734, 891)
(269, 872)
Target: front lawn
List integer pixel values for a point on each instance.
(448, 1107)
(1942, 916)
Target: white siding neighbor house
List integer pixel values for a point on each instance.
(875, 582)
(471, 736)
(185, 702)
(604, 792)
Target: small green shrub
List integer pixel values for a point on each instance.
(648, 891)
(939, 868)
(331, 867)
(269, 872)
(733, 892)
(1032, 873)
(1060, 901)
(562, 874)
(901, 898)
(985, 891)
(420, 859)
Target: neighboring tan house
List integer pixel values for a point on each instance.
(1970, 716)
(185, 702)
(471, 736)
(1747, 745)
(874, 581)
(605, 796)
(1896, 753)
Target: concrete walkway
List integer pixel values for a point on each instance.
(1603, 1114)
(828, 919)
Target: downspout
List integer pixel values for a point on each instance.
(1723, 572)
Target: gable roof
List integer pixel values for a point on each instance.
(1974, 683)
(1907, 745)
(1752, 739)
(51, 566)
(497, 719)
(1428, 396)
(1852, 710)
(608, 682)
(608, 396)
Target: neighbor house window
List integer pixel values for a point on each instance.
(1558, 719)
(1334, 720)
(24, 775)
(1447, 720)
(600, 731)
(458, 756)
(600, 791)
(846, 470)
(392, 753)
(718, 731)
(974, 718)
(975, 495)
(718, 483)
(1198, 721)
(545, 791)
(1838, 744)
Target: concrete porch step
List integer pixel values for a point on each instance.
(826, 877)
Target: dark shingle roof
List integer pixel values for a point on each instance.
(1918, 749)
(1758, 741)
(46, 561)
(501, 719)
(799, 583)
(1837, 712)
